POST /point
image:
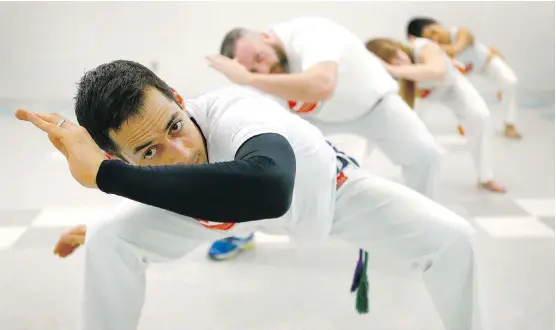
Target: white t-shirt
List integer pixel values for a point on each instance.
(474, 57)
(435, 87)
(229, 116)
(362, 80)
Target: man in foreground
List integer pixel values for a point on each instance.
(215, 166)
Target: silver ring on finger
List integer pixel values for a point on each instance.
(60, 122)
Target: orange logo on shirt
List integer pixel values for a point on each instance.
(340, 180)
(463, 69)
(303, 107)
(216, 225)
(423, 93)
(468, 68)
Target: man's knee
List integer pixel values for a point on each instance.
(102, 236)
(427, 153)
(122, 221)
(461, 233)
(509, 80)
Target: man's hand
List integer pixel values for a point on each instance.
(449, 50)
(496, 52)
(70, 241)
(232, 69)
(463, 39)
(83, 155)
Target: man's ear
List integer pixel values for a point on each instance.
(178, 98)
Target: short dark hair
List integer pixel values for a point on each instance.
(112, 93)
(228, 46)
(417, 25)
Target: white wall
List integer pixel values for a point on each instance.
(46, 47)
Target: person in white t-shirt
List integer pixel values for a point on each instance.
(439, 80)
(230, 162)
(321, 71)
(477, 58)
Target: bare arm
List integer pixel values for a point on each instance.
(496, 52)
(433, 66)
(315, 84)
(464, 39)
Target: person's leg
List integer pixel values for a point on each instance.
(473, 113)
(498, 72)
(117, 254)
(404, 138)
(399, 226)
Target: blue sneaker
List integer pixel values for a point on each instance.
(230, 247)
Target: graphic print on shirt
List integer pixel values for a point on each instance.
(342, 162)
(303, 107)
(216, 225)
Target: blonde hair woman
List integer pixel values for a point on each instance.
(423, 66)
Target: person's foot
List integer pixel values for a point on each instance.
(70, 241)
(230, 247)
(511, 132)
(461, 131)
(492, 186)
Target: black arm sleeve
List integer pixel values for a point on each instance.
(257, 185)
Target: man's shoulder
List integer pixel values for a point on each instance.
(234, 100)
(226, 94)
(419, 43)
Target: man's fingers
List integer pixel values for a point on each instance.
(45, 126)
(54, 118)
(58, 145)
(21, 114)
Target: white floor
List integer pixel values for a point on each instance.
(279, 285)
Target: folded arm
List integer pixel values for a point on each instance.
(464, 39)
(431, 68)
(257, 184)
(315, 84)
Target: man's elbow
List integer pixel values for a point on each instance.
(279, 207)
(438, 74)
(325, 89)
(280, 199)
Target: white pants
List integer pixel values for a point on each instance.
(392, 222)
(402, 136)
(499, 73)
(472, 112)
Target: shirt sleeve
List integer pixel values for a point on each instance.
(316, 46)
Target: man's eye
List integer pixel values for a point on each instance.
(176, 127)
(149, 154)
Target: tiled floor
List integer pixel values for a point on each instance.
(259, 290)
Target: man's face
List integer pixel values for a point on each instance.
(258, 54)
(162, 134)
(436, 32)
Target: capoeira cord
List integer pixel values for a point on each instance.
(361, 283)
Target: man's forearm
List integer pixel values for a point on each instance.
(451, 50)
(257, 185)
(294, 86)
(417, 72)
